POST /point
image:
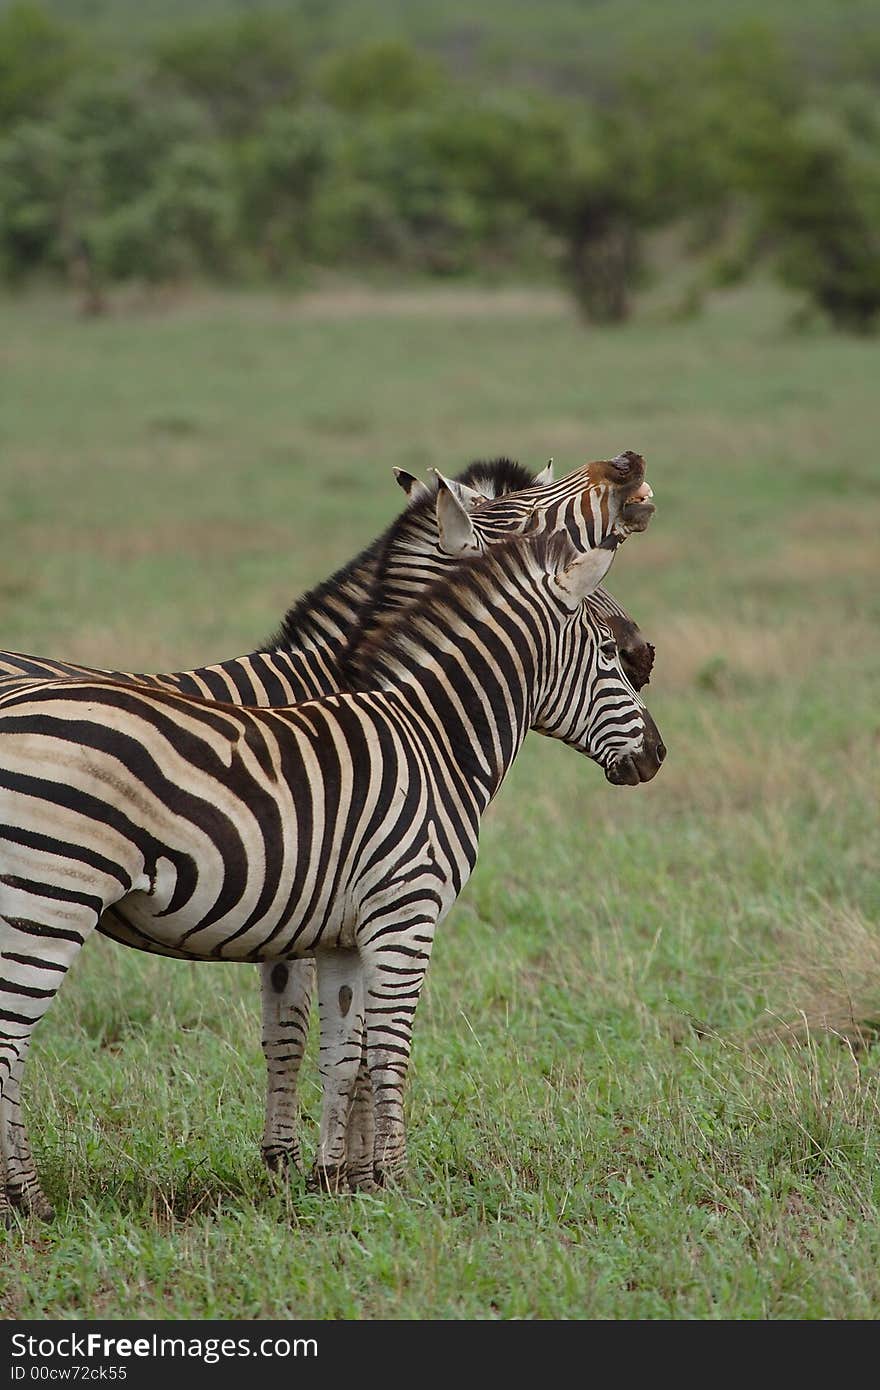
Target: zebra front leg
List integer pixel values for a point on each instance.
(36, 951)
(287, 992)
(341, 1002)
(395, 961)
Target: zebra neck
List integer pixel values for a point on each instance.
(323, 619)
(477, 711)
(603, 603)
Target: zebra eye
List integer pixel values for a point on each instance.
(608, 650)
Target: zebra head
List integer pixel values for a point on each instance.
(597, 505)
(587, 700)
(448, 520)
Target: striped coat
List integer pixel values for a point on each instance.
(313, 655)
(341, 829)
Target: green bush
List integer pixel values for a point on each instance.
(236, 69)
(117, 180)
(237, 148)
(279, 171)
(383, 76)
(819, 188)
(38, 197)
(183, 224)
(37, 57)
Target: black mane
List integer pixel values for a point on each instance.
(493, 477)
(371, 656)
(496, 477)
(298, 622)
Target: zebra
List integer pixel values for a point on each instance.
(307, 658)
(341, 828)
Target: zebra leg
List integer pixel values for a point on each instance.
(36, 951)
(22, 1184)
(287, 991)
(394, 971)
(341, 1001)
(361, 1135)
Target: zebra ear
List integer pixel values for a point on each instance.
(467, 496)
(577, 580)
(545, 476)
(457, 535)
(414, 489)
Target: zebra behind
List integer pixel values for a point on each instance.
(341, 829)
(309, 655)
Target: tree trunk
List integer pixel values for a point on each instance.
(603, 256)
(83, 275)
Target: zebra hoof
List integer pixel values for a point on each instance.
(387, 1177)
(328, 1177)
(29, 1204)
(281, 1162)
(363, 1180)
(32, 1204)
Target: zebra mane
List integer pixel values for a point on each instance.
(361, 577)
(495, 477)
(475, 582)
(300, 622)
(492, 477)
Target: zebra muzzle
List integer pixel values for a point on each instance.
(634, 516)
(639, 766)
(635, 494)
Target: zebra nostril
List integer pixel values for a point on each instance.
(628, 464)
(661, 752)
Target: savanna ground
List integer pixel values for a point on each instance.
(643, 1083)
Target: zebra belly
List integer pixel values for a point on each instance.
(135, 922)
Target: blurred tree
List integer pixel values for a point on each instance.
(383, 76)
(674, 140)
(279, 171)
(600, 210)
(571, 170)
(37, 56)
(39, 212)
(427, 219)
(236, 69)
(183, 223)
(211, 162)
(127, 131)
(818, 181)
(353, 222)
(115, 185)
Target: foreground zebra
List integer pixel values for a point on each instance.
(343, 828)
(308, 659)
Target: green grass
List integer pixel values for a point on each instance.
(642, 1082)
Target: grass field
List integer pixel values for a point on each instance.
(642, 1081)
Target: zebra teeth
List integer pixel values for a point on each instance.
(643, 493)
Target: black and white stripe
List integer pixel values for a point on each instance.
(312, 656)
(341, 829)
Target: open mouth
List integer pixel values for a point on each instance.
(626, 473)
(637, 510)
(643, 493)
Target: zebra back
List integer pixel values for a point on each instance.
(302, 660)
(309, 654)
